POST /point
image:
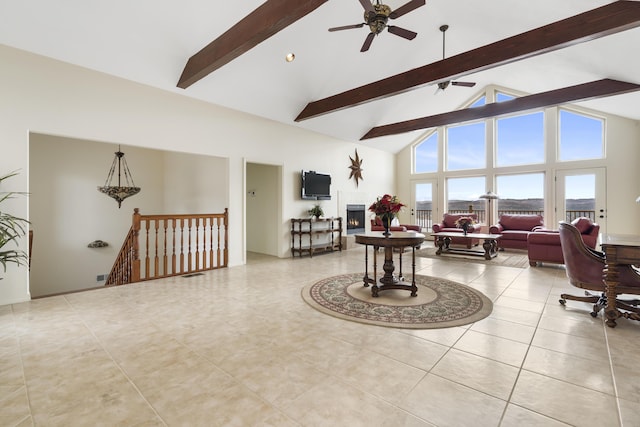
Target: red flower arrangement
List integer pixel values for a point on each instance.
(386, 205)
(464, 222)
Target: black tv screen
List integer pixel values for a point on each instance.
(316, 186)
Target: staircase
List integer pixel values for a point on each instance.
(159, 246)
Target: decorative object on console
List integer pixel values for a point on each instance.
(119, 193)
(465, 223)
(356, 168)
(386, 208)
(316, 211)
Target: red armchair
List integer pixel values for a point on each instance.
(448, 224)
(376, 225)
(544, 245)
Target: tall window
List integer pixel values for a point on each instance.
(520, 139)
(466, 147)
(581, 137)
(520, 194)
(465, 192)
(426, 154)
(500, 97)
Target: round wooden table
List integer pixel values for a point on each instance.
(396, 240)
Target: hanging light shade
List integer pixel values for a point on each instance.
(490, 196)
(119, 192)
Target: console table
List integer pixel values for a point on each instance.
(311, 235)
(397, 240)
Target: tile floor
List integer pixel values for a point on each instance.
(239, 347)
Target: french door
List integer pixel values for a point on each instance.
(424, 203)
(582, 192)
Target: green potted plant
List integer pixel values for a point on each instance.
(316, 211)
(12, 229)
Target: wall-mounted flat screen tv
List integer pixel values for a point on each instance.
(316, 186)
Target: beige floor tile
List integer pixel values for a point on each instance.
(630, 412)
(334, 403)
(588, 348)
(447, 336)
(628, 382)
(519, 304)
(14, 405)
(588, 373)
(492, 347)
(514, 315)
(485, 375)
(416, 352)
(379, 375)
(581, 326)
(516, 416)
(504, 329)
(441, 402)
(569, 403)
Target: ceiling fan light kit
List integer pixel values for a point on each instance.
(376, 17)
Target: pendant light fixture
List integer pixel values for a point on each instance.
(119, 192)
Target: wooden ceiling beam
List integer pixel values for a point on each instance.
(271, 17)
(581, 92)
(609, 19)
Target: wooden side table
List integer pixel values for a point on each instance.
(397, 240)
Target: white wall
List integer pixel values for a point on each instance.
(43, 96)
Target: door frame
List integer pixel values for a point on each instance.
(434, 202)
(600, 193)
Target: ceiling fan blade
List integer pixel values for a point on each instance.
(367, 42)
(465, 84)
(406, 8)
(346, 27)
(367, 6)
(409, 35)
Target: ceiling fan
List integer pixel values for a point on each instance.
(443, 85)
(376, 17)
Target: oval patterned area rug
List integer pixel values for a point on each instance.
(440, 303)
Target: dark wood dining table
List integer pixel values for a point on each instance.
(620, 251)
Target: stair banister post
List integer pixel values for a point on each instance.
(135, 265)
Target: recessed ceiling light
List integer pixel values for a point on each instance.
(290, 57)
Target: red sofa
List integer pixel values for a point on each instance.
(544, 245)
(515, 229)
(448, 224)
(376, 225)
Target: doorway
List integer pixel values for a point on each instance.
(582, 192)
(424, 203)
(263, 209)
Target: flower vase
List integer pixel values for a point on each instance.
(464, 229)
(386, 223)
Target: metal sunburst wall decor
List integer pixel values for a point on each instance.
(356, 168)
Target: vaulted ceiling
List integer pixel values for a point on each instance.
(331, 87)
